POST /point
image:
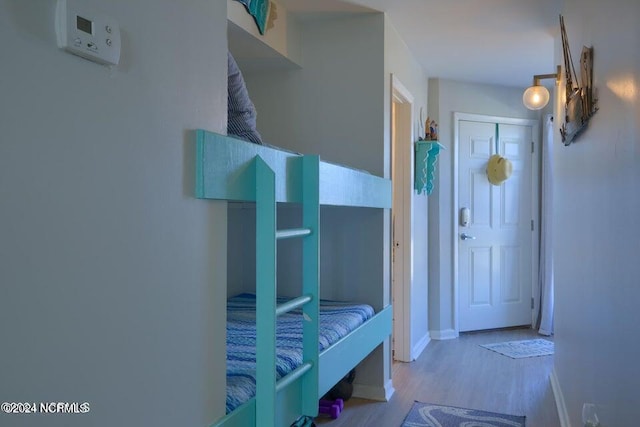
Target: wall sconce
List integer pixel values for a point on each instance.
(536, 97)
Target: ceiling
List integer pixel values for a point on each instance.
(501, 42)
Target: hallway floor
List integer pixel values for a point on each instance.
(461, 373)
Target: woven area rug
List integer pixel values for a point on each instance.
(521, 349)
(429, 415)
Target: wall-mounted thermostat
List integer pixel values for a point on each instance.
(87, 33)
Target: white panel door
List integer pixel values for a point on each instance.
(494, 262)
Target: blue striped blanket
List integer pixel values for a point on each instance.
(337, 319)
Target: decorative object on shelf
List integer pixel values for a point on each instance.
(536, 96)
(273, 15)
(260, 10)
(499, 169)
(430, 130)
(426, 156)
(581, 100)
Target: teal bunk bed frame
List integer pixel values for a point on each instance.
(235, 170)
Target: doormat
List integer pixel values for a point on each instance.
(429, 415)
(522, 349)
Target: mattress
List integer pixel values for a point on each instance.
(337, 319)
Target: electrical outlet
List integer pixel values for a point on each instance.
(589, 415)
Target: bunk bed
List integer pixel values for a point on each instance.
(235, 170)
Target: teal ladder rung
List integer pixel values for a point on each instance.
(293, 375)
(294, 232)
(293, 304)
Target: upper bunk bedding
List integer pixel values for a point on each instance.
(223, 172)
(337, 320)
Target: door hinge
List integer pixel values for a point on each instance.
(532, 225)
(532, 147)
(532, 303)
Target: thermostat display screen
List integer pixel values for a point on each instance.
(84, 25)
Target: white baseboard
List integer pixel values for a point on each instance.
(388, 390)
(417, 349)
(563, 415)
(447, 334)
(379, 393)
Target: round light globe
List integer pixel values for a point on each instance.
(535, 97)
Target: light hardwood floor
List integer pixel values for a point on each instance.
(461, 373)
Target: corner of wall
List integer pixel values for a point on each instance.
(420, 346)
(434, 253)
(378, 393)
(447, 334)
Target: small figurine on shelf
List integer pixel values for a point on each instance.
(427, 129)
(434, 130)
(431, 130)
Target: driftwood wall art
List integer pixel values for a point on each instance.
(581, 100)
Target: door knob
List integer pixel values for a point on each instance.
(465, 236)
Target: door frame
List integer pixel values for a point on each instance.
(402, 214)
(535, 203)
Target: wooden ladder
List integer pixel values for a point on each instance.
(267, 309)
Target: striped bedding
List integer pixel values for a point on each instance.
(337, 319)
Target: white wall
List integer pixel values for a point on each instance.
(596, 204)
(328, 107)
(400, 62)
(445, 98)
(111, 275)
